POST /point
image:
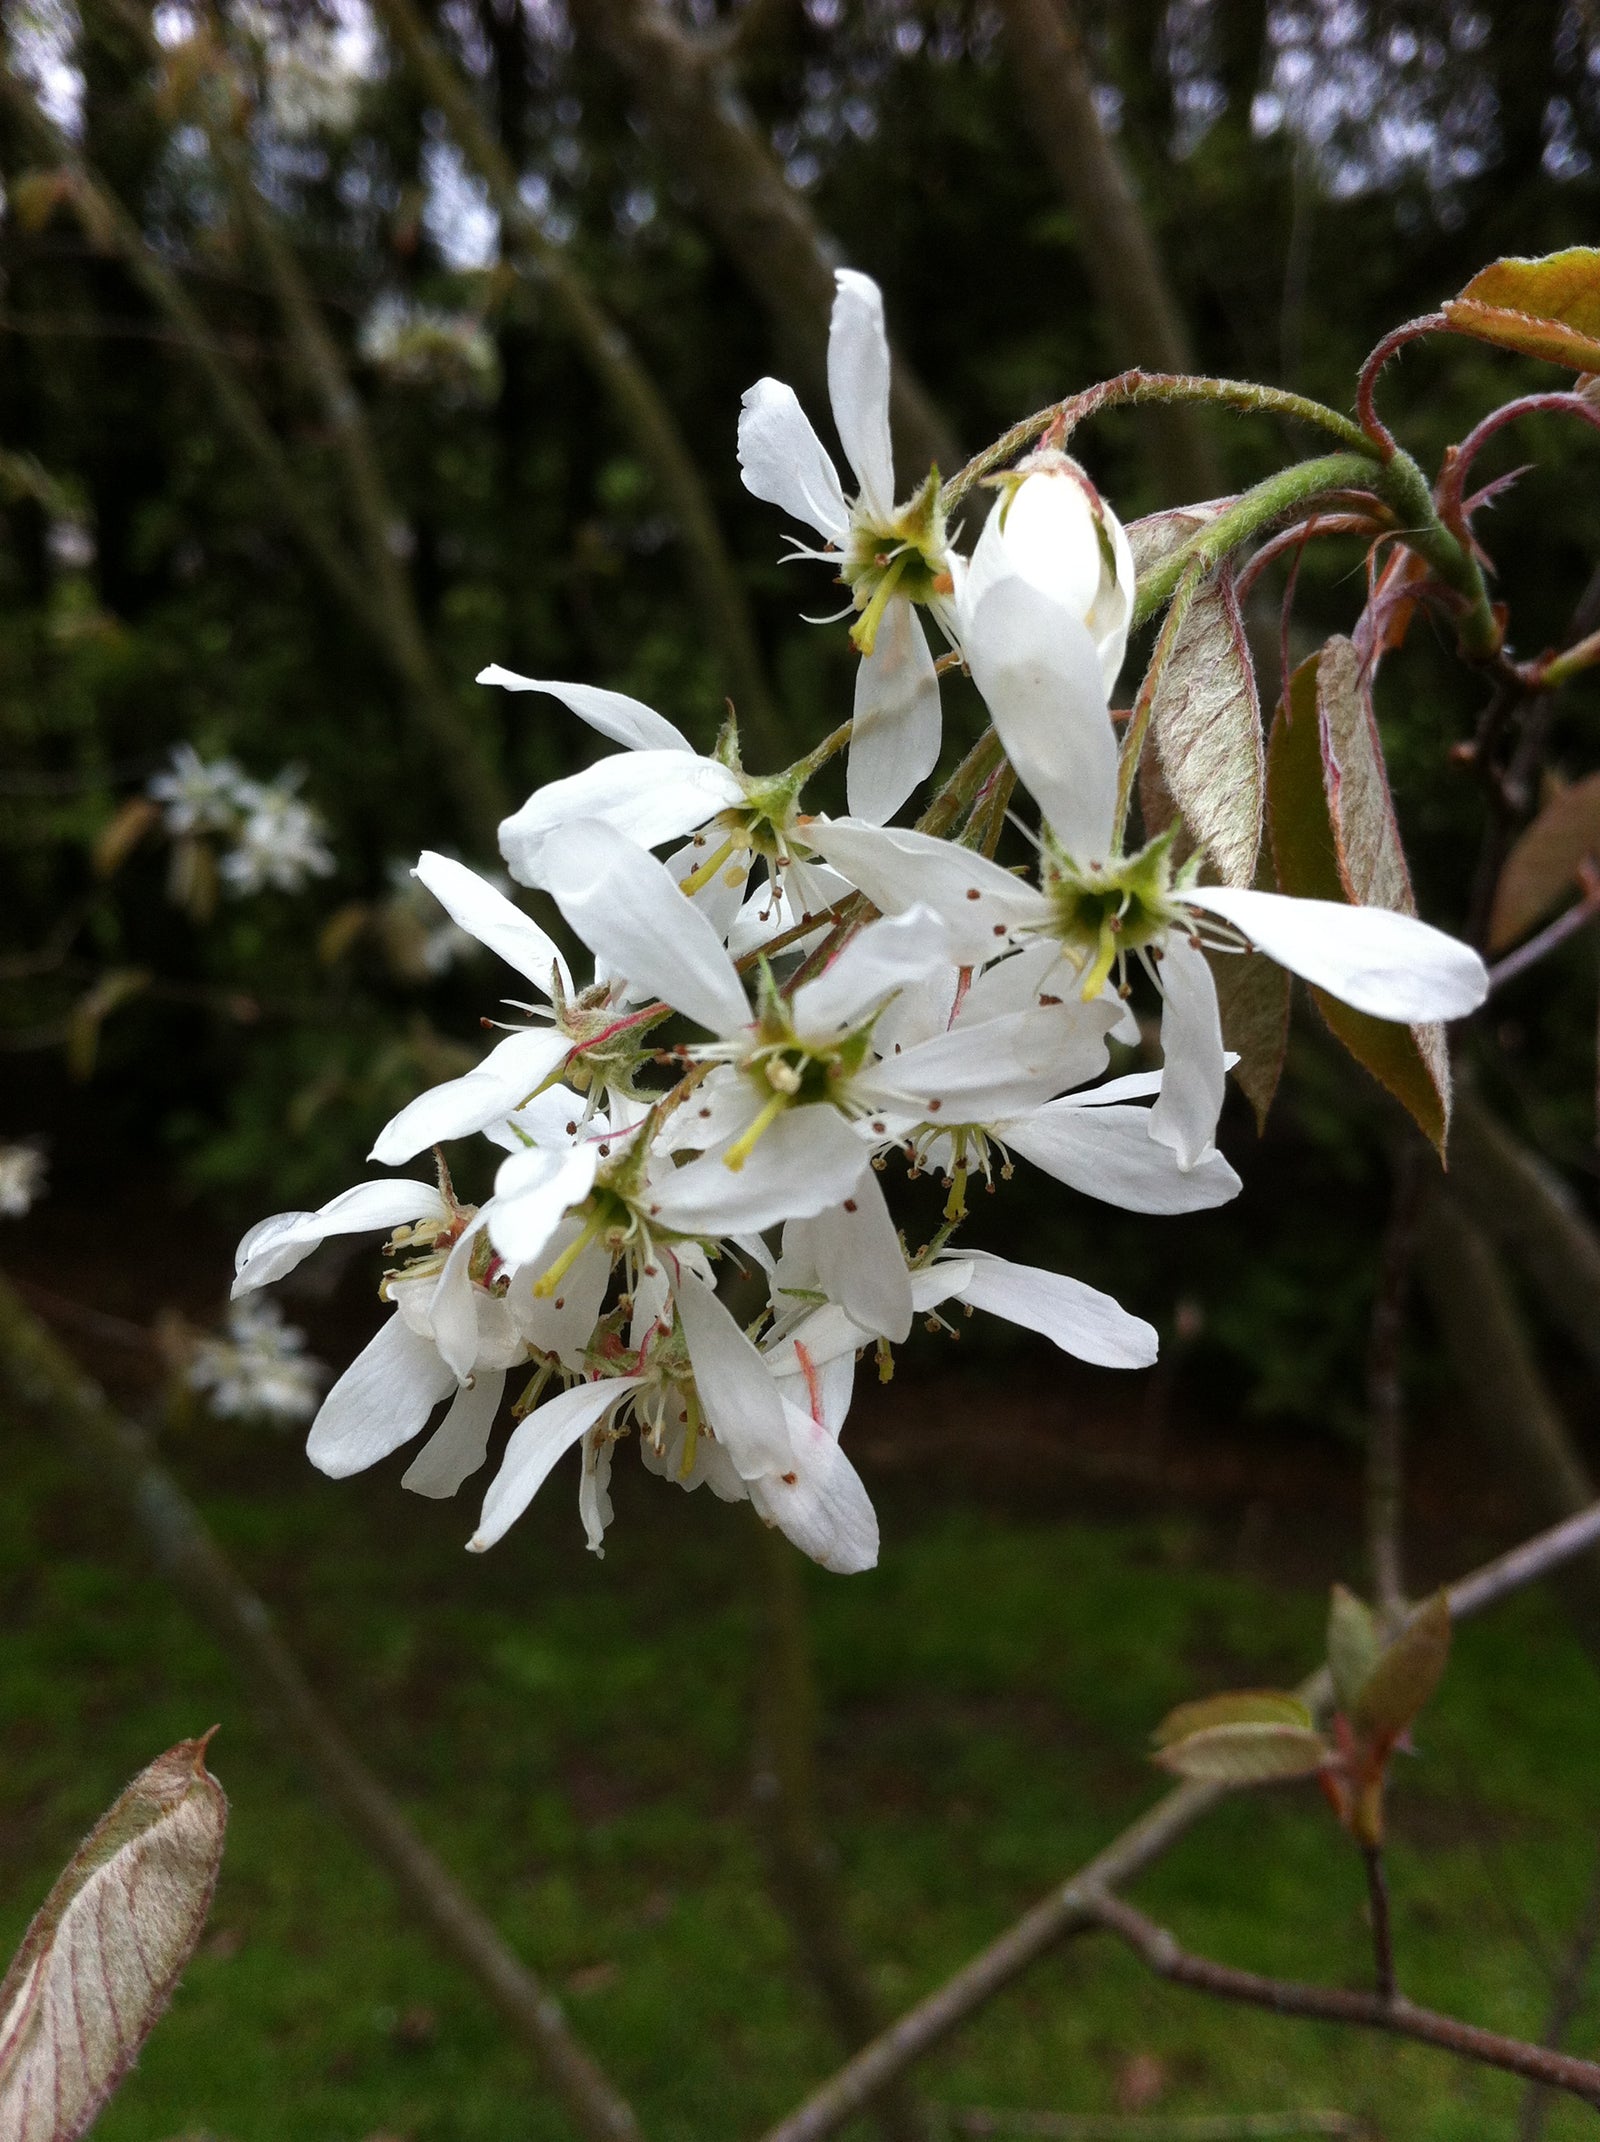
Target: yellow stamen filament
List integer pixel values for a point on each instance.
(691, 1433)
(743, 1146)
(704, 872)
(1104, 960)
(548, 1281)
(956, 1203)
(864, 632)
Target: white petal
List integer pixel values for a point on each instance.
(858, 388)
(1039, 672)
(783, 461)
(626, 908)
(1043, 532)
(539, 1441)
(859, 1253)
(808, 1159)
(381, 1401)
(533, 1192)
(875, 963)
(896, 867)
(819, 1501)
(453, 1304)
(462, 1106)
(736, 1388)
(474, 905)
(651, 796)
(1389, 965)
(275, 1246)
(981, 1073)
(1079, 1319)
(594, 1488)
(1108, 1153)
(894, 740)
(1194, 1072)
(460, 1443)
(614, 714)
(563, 1323)
(1017, 983)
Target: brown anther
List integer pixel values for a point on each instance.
(934, 1107)
(788, 1479)
(973, 893)
(850, 1204)
(1049, 1000)
(999, 929)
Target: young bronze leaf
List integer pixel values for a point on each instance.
(1406, 1674)
(1160, 536)
(1239, 1707)
(1206, 721)
(98, 1964)
(1246, 1754)
(1354, 1646)
(1307, 856)
(1543, 866)
(1546, 308)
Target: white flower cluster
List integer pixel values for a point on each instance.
(425, 346)
(277, 839)
(690, 1238)
(260, 1370)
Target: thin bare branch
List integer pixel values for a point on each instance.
(46, 1384)
(1565, 2002)
(788, 1799)
(1056, 91)
(614, 362)
(1336, 2004)
(691, 100)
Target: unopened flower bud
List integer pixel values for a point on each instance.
(1050, 527)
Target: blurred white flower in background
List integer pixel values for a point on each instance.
(421, 945)
(22, 1173)
(426, 346)
(197, 795)
(260, 1370)
(279, 839)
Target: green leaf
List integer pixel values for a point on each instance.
(1316, 754)
(1239, 1707)
(1406, 1674)
(1547, 308)
(1354, 1646)
(1246, 1754)
(1206, 723)
(98, 1964)
(1543, 865)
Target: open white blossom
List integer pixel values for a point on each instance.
(198, 795)
(891, 557)
(279, 841)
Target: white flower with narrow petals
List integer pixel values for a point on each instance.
(1039, 672)
(892, 557)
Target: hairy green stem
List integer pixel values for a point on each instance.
(1158, 387)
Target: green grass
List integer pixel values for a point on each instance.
(572, 1736)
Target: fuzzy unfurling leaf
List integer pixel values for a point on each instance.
(1547, 308)
(1206, 723)
(1247, 1738)
(98, 1964)
(1354, 1645)
(1406, 1674)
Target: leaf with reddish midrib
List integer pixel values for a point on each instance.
(1322, 758)
(1547, 308)
(98, 1964)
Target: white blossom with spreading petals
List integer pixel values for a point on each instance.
(259, 1370)
(892, 557)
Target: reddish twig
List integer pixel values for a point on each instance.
(1336, 2004)
(1552, 935)
(1391, 345)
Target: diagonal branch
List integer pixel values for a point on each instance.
(1397, 2016)
(692, 103)
(1063, 1912)
(614, 362)
(107, 223)
(43, 1382)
